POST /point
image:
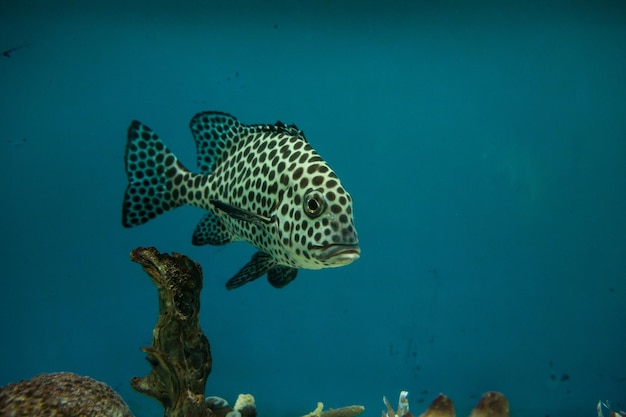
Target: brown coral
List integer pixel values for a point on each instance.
(62, 394)
(180, 354)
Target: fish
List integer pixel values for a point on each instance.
(261, 183)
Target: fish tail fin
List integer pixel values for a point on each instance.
(153, 172)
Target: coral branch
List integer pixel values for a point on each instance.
(349, 411)
(180, 354)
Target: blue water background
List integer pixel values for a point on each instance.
(484, 144)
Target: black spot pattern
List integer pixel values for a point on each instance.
(152, 172)
(210, 231)
(264, 170)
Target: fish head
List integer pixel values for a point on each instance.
(315, 218)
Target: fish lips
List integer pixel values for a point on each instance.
(337, 254)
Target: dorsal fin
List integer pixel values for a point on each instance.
(214, 133)
(289, 129)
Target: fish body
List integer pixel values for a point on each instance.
(262, 184)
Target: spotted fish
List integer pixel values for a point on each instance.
(262, 184)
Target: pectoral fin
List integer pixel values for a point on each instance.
(281, 275)
(240, 214)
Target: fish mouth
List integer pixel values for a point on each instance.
(337, 254)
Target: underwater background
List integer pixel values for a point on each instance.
(483, 143)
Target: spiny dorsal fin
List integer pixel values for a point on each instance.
(216, 132)
(291, 129)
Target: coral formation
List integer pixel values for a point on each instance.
(440, 407)
(492, 404)
(61, 394)
(604, 405)
(403, 406)
(180, 354)
(181, 361)
(244, 406)
(350, 411)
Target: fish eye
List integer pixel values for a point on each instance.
(314, 204)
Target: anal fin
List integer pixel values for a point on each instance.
(210, 231)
